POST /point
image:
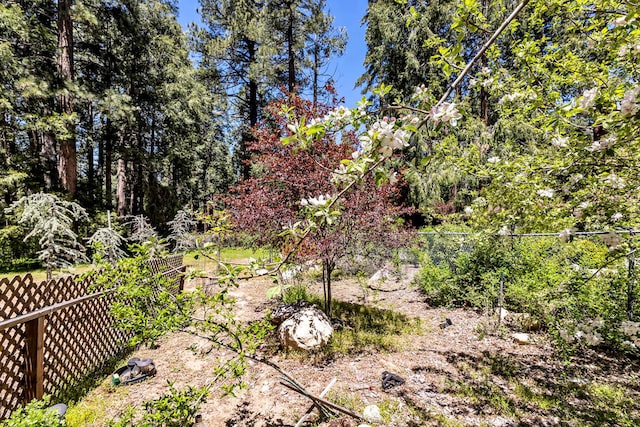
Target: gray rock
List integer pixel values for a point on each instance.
(307, 329)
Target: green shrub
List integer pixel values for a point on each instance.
(36, 413)
(174, 409)
(578, 289)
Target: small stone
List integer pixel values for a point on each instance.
(446, 323)
(502, 312)
(372, 414)
(522, 339)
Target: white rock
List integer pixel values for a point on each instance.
(265, 388)
(521, 338)
(307, 329)
(380, 276)
(372, 414)
(502, 312)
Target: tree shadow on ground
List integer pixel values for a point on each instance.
(593, 390)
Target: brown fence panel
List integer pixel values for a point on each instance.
(12, 365)
(74, 341)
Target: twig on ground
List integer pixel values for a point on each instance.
(308, 412)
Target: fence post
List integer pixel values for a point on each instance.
(631, 284)
(34, 359)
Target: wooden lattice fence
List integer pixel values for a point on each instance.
(53, 334)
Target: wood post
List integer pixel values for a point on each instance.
(34, 359)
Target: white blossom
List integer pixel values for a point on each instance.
(602, 144)
(486, 83)
(619, 22)
(445, 112)
(547, 192)
(560, 141)
(468, 210)
(616, 217)
(630, 328)
(588, 99)
(623, 51)
(615, 181)
(419, 93)
(593, 338)
(390, 139)
(628, 105)
(340, 114)
(566, 336)
(504, 231)
(510, 98)
(494, 159)
(321, 200)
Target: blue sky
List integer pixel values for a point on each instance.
(346, 69)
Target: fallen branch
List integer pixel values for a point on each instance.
(387, 290)
(306, 414)
(323, 402)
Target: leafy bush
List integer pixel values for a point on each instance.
(36, 413)
(174, 409)
(579, 289)
(147, 305)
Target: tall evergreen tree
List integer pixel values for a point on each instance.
(259, 47)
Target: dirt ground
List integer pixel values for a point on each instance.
(458, 375)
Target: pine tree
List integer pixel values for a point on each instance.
(52, 221)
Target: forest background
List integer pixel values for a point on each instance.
(111, 104)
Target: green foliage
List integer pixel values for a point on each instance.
(36, 413)
(107, 245)
(51, 221)
(181, 227)
(15, 253)
(147, 305)
(577, 289)
(174, 409)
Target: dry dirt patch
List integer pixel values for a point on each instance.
(454, 376)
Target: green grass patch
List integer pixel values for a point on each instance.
(368, 327)
(364, 327)
(541, 400)
(41, 274)
(196, 260)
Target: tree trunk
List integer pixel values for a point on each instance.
(252, 101)
(67, 162)
(121, 187)
(48, 160)
(316, 72)
(327, 269)
(290, 50)
(484, 94)
(108, 161)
